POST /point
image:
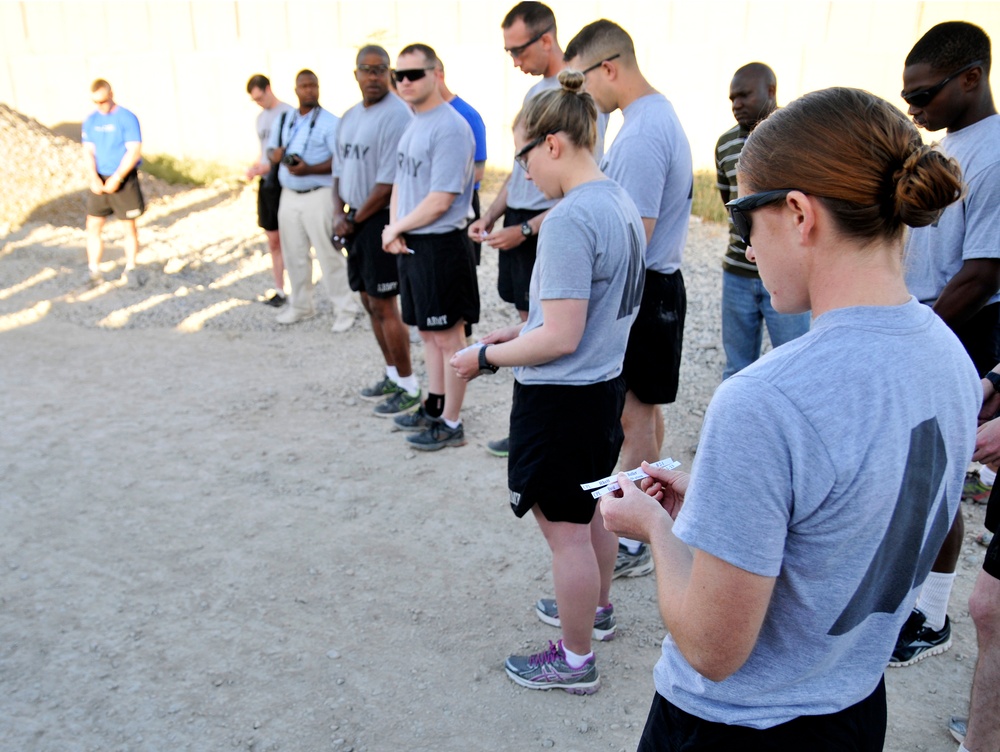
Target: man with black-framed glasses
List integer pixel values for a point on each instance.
(363, 172)
(651, 159)
(954, 264)
(530, 38)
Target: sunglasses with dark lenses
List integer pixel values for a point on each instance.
(378, 70)
(923, 97)
(740, 208)
(519, 50)
(411, 74)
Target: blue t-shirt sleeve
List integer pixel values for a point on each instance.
(757, 453)
(131, 132)
(479, 133)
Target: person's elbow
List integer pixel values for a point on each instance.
(715, 662)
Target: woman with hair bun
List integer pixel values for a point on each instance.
(829, 471)
(565, 426)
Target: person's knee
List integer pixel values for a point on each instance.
(638, 417)
(984, 607)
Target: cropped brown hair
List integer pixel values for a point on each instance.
(568, 109)
(860, 155)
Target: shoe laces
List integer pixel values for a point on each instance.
(546, 656)
(913, 626)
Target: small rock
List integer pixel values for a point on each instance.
(332, 655)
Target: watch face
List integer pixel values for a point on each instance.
(526, 229)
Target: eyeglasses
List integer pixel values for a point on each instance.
(740, 208)
(521, 158)
(597, 65)
(377, 70)
(411, 74)
(519, 50)
(923, 97)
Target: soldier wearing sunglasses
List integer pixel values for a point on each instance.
(429, 208)
(954, 264)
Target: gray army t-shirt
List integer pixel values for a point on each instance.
(969, 228)
(435, 153)
(651, 159)
(366, 147)
(266, 120)
(590, 247)
(853, 442)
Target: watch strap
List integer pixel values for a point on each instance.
(484, 365)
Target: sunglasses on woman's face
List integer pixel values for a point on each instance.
(410, 74)
(740, 208)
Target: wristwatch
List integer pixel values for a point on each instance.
(992, 377)
(484, 365)
(526, 230)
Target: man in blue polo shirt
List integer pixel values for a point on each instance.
(305, 213)
(112, 152)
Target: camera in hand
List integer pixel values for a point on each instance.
(291, 159)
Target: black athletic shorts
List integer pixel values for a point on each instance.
(515, 265)
(438, 287)
(653, 355)
(370, 269)
(562, 436)
(991, 564)
(268, 198)
(859, 728)
(125, 203)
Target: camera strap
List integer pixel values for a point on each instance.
(297, 123)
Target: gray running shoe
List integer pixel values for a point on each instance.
(549, 670)
(379, 390)
(399, 403)
(418, 420)
(633, 565)
(438, 436)
(500, 447)
(605, 625)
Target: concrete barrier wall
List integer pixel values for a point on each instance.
(182, 66)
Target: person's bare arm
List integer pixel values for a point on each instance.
(90, 167)
(432, 206)
(714, 610)
(968, 291)
(133, 153)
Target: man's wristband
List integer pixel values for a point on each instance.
(994, 379)
(485, 365)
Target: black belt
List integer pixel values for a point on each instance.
(307, 190)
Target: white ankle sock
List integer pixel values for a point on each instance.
(452, 423)
(987, 476)
(409, 383)
(574, 660)
(933, 598)
(392, 373)
(632, 545)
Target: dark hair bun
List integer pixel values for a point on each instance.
(927, 182)
(571, 80)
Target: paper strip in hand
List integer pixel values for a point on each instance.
(609, 484)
